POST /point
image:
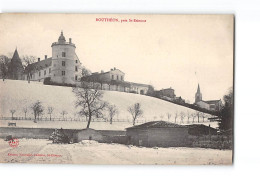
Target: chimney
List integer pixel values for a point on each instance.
(45, 56)
(114, 68)
(70, 40)
(39, 59)
(102, 71)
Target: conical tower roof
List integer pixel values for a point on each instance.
(16, 55)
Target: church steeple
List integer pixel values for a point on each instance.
(198, 89)
(198, 95)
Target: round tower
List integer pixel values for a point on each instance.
(63, 61)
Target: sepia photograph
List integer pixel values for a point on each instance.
(117, 89)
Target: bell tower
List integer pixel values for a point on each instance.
(198, 95)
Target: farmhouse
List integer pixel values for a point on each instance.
(158, 133)
(115, 80)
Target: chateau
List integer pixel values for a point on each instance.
(63, 67)
(213, 105)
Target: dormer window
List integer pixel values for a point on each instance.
(63, 54)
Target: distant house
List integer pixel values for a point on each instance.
(169, 92)
(115, 80)
(158, 133)
(212, 105)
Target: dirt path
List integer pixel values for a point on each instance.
(91, 152)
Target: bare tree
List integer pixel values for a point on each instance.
(203, 116)
(4, 60)
(112, 110)
(161, 116)
(136, 111)
(193, 117)
(176, 116)
(188, 117)
(12, 111)
(50, 111)
(169, 116)
(25, 110)
(63, 113)
(85, 71)
(90, 102)
(182, 114)
(37, 109)
(28, 65)
(198, 115)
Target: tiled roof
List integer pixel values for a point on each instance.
(158, 124)
(42, 64)
(198, 125)
(212, 101)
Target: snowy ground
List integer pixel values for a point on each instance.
(91, 152)
(17, 95)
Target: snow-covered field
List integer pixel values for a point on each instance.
(17, 95)
(91, 152)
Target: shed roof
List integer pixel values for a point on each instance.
(157, 124)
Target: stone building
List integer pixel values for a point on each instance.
(63, 67)
(115, 80)
(159, 134)
(212, 105)
(169, 92)
(15, 67)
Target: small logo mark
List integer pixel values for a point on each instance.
(13, 142)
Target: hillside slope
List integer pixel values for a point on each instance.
(19, 94)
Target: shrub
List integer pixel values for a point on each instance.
(58, 137)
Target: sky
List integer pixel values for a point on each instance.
(177, 51)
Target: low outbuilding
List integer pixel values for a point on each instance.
(201, 130)
(158, 134)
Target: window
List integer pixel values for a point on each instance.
(117, 77)
(44, 72)
(63, 54)
(76, 68)
(63, 63)
(76, 77)
(122, 78)
(39, 73)
(76, 61)
(112, 76)
(49, 70)
(63, 73)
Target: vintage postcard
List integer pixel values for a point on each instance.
(116, 89)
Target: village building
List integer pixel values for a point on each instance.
(212, 105)
(169, 92)
(63, 67)
(159, 134)
(115, 80)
